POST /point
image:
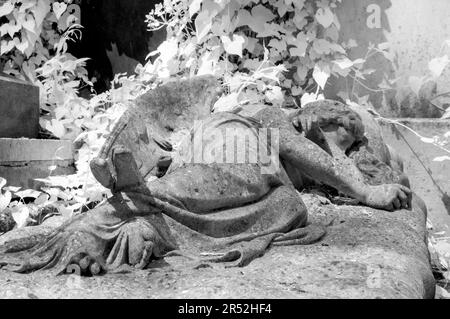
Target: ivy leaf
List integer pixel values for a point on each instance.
(41, 10)
(2, 182)
(359, 61)
(300, 43)
(302, 72)
(206, 64)
(309, 98)
(59, 8)
(21, 45)
(275, 95)
(300, 19)
(13, 189)
(226, 103)
(29, 24)
(322, 46)
(42, 199)
(384, 46)
(203, 25)
(12, 28)
(320, 76)
(438, 65)
(65, 212)
(20, 215)
(28, 193)
(26, 5)
(282, 8)
(6, 8)
(257, 20)
(168, 50)
(325, 17)
(203, 22)
(344, 63)
(3, 29)
(338, 48)
(194, 7)
(279, 45)
(263, 14)
(56, 127)
(296, 90)
(271, 30)
(5, 199)
(233, 46)
(6, 46)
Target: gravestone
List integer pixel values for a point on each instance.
(23, 156)
(19, 108)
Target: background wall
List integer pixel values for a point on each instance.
(416, 31)
(115, 37)
(429, 179)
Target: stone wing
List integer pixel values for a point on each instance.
(146, 127)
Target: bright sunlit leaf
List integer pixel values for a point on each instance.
(325, 17)
(437, 65)
(234, 45)
(20, 214)
(320, 76)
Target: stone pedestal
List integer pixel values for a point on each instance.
(19, 108)
(23, 160)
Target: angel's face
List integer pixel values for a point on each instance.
(342, 137)
(205, 90)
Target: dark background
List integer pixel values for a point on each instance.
(119, 22)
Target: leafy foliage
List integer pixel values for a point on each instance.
(34, 41)
(30, 33)
(266, 51)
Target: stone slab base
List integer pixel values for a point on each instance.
(366, 254)
(23, 160)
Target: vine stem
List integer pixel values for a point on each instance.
(440, 95)
(414, 132)
(366, 87)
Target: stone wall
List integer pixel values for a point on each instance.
(24, 160)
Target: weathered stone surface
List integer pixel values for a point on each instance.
(366, 254)
(19, 108)
(6, 221)
(23, 160)
(23, 149)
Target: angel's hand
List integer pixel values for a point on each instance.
(389, 197)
